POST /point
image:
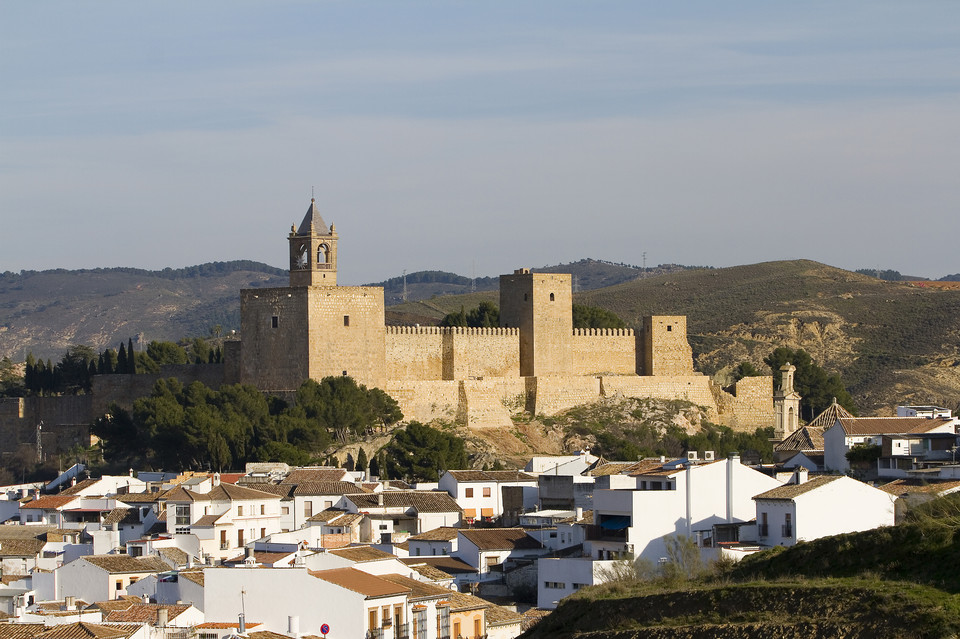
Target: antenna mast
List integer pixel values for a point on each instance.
(40, 442)
(404, 285)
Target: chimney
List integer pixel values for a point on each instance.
(69, 603)
(293, 626)
(733, 460)
(242, 625)
(579, 513)
(380, 499)
(216, 479)
(131, 472)
(145, 598)
(189, 561)
(800, 475)
(73, 481)
(162, 617)
(248, 552)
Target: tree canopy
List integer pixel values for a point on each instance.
(195, 427)
(595, 317)
(485, 315)
(817, 388)
(419, 453)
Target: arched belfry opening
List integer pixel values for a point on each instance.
(313, 251)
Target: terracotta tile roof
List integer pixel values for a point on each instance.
(230, 492)
(804, 438)
(500, 539)
(311, 488)
(196, 576)
(122, 516)
(444, 533)
(431, 573)
(791, 491)
(284, 491)
(79, 486)
(336, 517)
(261, 557)
(913, 486)
(125, 563)
(84, 630)
(361, 553)
(144, 613)
(446, 563)
(21, 547)
(460, 602)
(829, 417)
(501, 616)
(26, 532)
(418, 589)
(228, 478)
(267, 634)
(174, 555)
(361, 582)
(20, 630)
(50, 502)
(208, 520)
(139, 498)
(491, 475)
(299, 475)
(178, 493)
(397, 484)
(420, 500)
(891, 425)
(114, 604)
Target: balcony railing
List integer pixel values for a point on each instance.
(224, 545)
(403, 631)
(764, 530)
(787, 530)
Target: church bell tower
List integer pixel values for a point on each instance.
(313, 251)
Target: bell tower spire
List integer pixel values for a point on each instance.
(313, 251)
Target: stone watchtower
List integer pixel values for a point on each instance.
(541, 306)
(786, 404)
(313, 251)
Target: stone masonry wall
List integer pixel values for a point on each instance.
(552, 394)
(749, 407)
(664, 348)
(426, 400)
(491, 401)
(347, 333)
(598, 351)
(692, 388)
(433, 352)
(414, 353)
(274, 325)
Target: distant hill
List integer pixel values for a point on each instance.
(893, 342)
(45, 312)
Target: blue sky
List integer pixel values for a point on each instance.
(480, 136)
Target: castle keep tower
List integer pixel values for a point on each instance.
(313, 251)
(541, 306)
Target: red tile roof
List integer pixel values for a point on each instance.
(361, 582)
(50, 502)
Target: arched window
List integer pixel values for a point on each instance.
(322, 254)
(551, 297)
(790, 419)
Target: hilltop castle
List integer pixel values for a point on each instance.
(535, 361)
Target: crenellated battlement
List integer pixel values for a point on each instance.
(451, 330)
(603, 332)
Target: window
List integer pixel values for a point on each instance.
(182, 516)
(263, 509)
(308, 509)
(456, 628)
(274, 321)
(398, 615)
(327, 503)
(486, 491)
(385, 616)
(476, 628)
(240, 537)
(263, 532)
(468, 492)
(788, 525)
(346, 320)
(554, 585)
(285, 510)
(239, 511)
(118, 586)
(373, 618)
(669, 328)
(552, 297)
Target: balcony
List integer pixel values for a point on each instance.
(403, 631)
(764, 530)
(786, 530)
(224, 545)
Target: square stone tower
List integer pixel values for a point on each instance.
(541, 306)
(663, 348)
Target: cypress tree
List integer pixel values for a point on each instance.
(122, 360)
(132, 363)
(30, 374)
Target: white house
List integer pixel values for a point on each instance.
(479, 492)
(849, 432)
(680, 498)
(560, 577)
(351, 602)
(104, 577)
(310, 498)
(818, 507)
(394, 515)
(486, 548)
(439, 541)
(225, 519)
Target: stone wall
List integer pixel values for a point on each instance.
(65, 420)
(424, 401)
(274, 326)
(749, 407)
(433, 353)
(554, 393)
(691, 388)
(491, 401)
(541, 306)
(347, 333)
(603, 351)
(414, 352)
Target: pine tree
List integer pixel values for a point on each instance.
(362, 460)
